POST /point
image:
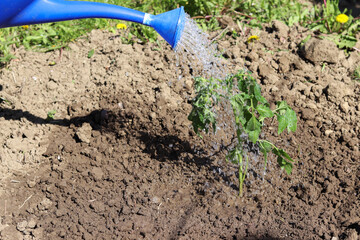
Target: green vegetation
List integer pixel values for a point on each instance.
(50, 115)
(4, 100)
(91, 53)
(250, 109)
(356, 74)
(51, 36)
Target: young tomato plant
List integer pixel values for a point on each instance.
(250, 109)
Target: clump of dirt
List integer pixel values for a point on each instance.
(120, 161)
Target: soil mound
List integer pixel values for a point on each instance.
(120, 161)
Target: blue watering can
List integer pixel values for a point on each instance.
(169, 25)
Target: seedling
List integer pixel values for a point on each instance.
(4, 100)
(91, 53)
(51, 115)
(250, 109)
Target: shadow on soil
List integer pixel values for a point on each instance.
(165, 147)
(172, 149)
(94, 118)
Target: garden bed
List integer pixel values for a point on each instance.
(119, 160)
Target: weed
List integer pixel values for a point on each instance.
(356, 74)
(250, 109)
(341, 27)
(91, 53)
(50, 115)
(6, 40)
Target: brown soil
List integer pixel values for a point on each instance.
(120, 161)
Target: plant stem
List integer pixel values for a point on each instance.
(240, 181)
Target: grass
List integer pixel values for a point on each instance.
(356, 74)
(252, 13)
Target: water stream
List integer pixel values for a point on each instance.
(197, 51)
(195, 48)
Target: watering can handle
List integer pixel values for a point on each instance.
(43, 11)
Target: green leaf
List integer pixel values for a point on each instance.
(286, 118)
(91, 53)
(287, 166)
(232, 156)
(257, 93)
(265, 146)
(253, 128)
(292, 120)
(284, 154)
(282, 157)
(346, 42)
(282, 106)
(305, 40)
(264, 111)
(253, 124)
(282, 123)
(254, 135)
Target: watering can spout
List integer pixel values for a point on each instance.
(169, 25)
(25, 12)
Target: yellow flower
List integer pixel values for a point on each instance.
(25, 27)
(121, 26)
(253, 38)
(342, 18)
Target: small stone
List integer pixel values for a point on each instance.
(2, 227)
(126, 226)
(284, 63)
(328, 132)
(32, 223)
(60, 212)
(265, 70)
(97, 206)
(27, 237)
(307, 114)
(152, 116)
(97, 173)
(21, 226)
(312, 106)
(44, 204)
(31, 183)
(281, 28)
(121, 105)
(155, 200)
(125, 210)
(344, 106)
(62, 233)
(338, 90)
(274, 89)
(122, 133)
(37, 233)
(84, 133)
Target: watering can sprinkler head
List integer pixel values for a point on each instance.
(169, 25)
